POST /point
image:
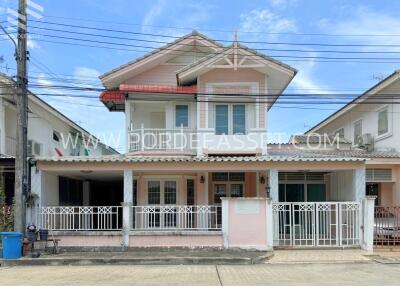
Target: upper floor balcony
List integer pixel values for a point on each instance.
(195, 128)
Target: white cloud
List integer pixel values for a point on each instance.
(32, 44)
(266, 21)
(154, 12)
(282, 4)
(363, 21)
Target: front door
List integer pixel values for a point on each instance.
(162, 197)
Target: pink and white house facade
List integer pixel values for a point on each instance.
(197, 170)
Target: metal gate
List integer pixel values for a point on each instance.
(387, 226)
(326, 224)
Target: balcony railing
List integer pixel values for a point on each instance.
(177, 217)
(80, 218)
(145, 139)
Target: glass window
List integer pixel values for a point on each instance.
(221, 119)
(181, 116)
(153, 195)
(236, 177)
(236, 190)
(190, 192)
(170, 192)
(340, 132)
(383, 122)
(239, 119)
(357, 132)
(219, 192)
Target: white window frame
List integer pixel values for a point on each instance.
(230, 117)
(389, 132)
(162, 189)
(354, 137)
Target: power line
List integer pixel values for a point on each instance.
(224, 31)
(208, 46)
(217, 40)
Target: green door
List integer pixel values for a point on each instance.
(316, 193)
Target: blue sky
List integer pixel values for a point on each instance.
(274, 21)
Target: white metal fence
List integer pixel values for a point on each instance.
(387, 226)
(316, 224)
(178, 217)
(80, 218)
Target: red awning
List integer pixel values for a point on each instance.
(159, 89)
(112, 96)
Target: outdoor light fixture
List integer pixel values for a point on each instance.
(268, 188)
(202, 179)
(262, 180)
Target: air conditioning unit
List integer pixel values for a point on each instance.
(34, 148)
(366, 141)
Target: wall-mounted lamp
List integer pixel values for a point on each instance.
(268, 188)
(202, 179)
(262, 180)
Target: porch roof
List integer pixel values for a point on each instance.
(310, 157)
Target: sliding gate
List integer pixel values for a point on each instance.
(324, 224)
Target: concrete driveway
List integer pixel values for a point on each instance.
(263, 274)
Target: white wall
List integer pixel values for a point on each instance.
(369, 115)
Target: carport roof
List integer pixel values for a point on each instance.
(294, 157)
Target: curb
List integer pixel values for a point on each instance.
(136, 261)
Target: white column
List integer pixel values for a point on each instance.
(206, 198)
(273, 183)
(127, 207)
(128, 123)
(367, 241)
(359, 184)
(86, 193)
(32, 213)
(270, 225)
(225, 221)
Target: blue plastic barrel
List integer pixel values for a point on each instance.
(12, 244)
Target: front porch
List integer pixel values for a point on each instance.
(142, 204)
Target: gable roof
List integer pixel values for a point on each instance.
(193, 34)
(34, 98)
(240, 46)
(373, 90)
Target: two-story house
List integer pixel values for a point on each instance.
(48, 132)
(369, 123)
(197, 169)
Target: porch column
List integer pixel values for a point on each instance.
(32, 213)
(367, 239)
(359, 184)
(127, 207)
(273, 184)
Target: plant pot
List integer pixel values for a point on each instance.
(44, 234)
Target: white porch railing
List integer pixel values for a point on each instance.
(146, 139)
(316, 224)
(80, 218)
(176, 217)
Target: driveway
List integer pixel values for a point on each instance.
(263, 274)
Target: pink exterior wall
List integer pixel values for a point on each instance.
(196, 240)
(159, 75)
(247, 223)
(101, 240)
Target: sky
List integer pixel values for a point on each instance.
(275, 21)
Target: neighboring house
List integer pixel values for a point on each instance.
(369, 122)
(46, 129)
(223, 189)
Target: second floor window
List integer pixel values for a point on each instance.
(357, 126)
(181, 116)
(383, 122)
(340, 132)
(230, 119)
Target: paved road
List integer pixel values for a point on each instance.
(293, 274)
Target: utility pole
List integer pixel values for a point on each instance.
(21, 164)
